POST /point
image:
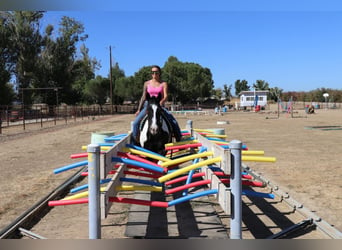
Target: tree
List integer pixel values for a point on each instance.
(227, 92)
(139, 78)
(188, 82)
(275, 93)
(83, 70)
(96, 90)
(64, 57)
(117, 73)
(6, 94)
(261, 85)
(6, 91)
(218, 93)
(124, 90)
(241, 85)
(24, 47)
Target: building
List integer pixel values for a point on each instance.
(253, 98)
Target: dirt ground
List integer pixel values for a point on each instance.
(308, 164)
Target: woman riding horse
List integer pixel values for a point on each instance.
(154, 87)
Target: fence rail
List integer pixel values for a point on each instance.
(20, 116)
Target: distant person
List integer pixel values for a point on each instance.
(311, 109)
(153, 87)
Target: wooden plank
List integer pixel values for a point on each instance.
(217, 150)
(223, 195)
(111, 191)
(106, 163)
(191, 220)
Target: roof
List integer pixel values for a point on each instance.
(251, 93)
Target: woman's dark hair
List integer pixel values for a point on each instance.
(159, 69)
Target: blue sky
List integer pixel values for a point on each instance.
(296, 49)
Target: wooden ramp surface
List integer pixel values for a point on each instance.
(191, 219)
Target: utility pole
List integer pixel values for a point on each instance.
(110, 79)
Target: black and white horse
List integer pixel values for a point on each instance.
(156, 130)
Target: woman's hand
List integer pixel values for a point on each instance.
(137, 113)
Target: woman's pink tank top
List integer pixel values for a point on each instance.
(154, 91)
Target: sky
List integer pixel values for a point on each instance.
(293, 47)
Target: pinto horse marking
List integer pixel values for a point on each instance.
(156, 131)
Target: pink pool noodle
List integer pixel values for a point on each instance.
(186, 186)
(183, 178)
(139, 202)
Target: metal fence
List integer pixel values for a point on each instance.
(20, 116)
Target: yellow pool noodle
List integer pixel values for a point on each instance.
(214, 135)
(253, 152)
(221, 142)
(81, 195)
(258, 158)
(103, 148)
(188, 168)
(186, 158)
(180, 143)
(203, 130)
(153, 156)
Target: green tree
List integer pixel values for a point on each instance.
(261, 85)
(227, 92)
(275, 93)
(96, 90)
(124, 89)
(241, 85)
(139, 78)
(64, 57)
(83, 70)
(24, 47)
(6, 94)
(188, 82)
(6, 91)
(117, 74)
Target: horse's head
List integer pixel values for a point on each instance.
(156, 131)
(154, 114)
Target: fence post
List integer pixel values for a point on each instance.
(189, 127)
(235, 147)
(94, 191)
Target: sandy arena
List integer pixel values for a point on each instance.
(308, 164)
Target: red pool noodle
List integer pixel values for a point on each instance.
(137, 158)
(186, 186)
(154, 176)
(245, 176)
(81, 155)
(67, 202)
(138, 202)
(110, 172)
(143, 169)
(246, 183)
(184, 178)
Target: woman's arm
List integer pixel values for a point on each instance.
(165, 89)
(142, 99)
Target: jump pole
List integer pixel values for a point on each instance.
(94, 191)
(236, 190)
